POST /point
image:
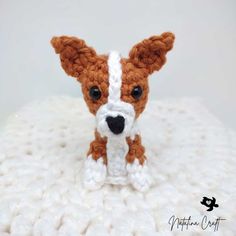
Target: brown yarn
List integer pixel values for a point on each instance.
(82, 62)
(98, 148)
(75, 55)
(95, 75)
(150, 54)
(131, 77)
(136, 150)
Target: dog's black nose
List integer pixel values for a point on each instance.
(116, 124)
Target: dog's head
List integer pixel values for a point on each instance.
(114, 88)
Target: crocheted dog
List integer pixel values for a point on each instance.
(116, 92)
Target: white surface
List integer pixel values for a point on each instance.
(201, 64)
(190, 155)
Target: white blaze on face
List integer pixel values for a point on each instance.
(116, 147)
(115, 75)
(114, 106)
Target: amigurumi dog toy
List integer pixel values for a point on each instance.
(116, 92)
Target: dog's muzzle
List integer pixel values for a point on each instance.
(113, 119)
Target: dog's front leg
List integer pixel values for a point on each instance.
(138, 173)
(95, 169)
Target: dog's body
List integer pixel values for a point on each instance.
(116, 91)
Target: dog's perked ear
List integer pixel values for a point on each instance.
(150, 54)
(75, 55)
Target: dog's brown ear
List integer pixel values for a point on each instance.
(75, 55)
(151, 53)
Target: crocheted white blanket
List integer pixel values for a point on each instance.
(191, 156)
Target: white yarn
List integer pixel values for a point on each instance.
(117, 150)
(115, 74)
(139, 176)
(114, 109)
(115, 106)
(117, 147)
(94, 173)
(42, 150)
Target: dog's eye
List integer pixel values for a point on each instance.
(136, 92)
(95, 93)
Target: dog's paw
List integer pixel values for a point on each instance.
(139, 176)
(94, 173)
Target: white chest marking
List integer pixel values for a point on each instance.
(117, 150)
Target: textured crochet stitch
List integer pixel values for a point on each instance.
(42, 152)
(116, 92)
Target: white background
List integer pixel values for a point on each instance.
(202, 63)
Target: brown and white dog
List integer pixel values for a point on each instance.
(116, 92)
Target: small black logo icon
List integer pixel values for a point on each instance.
(208, 202)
